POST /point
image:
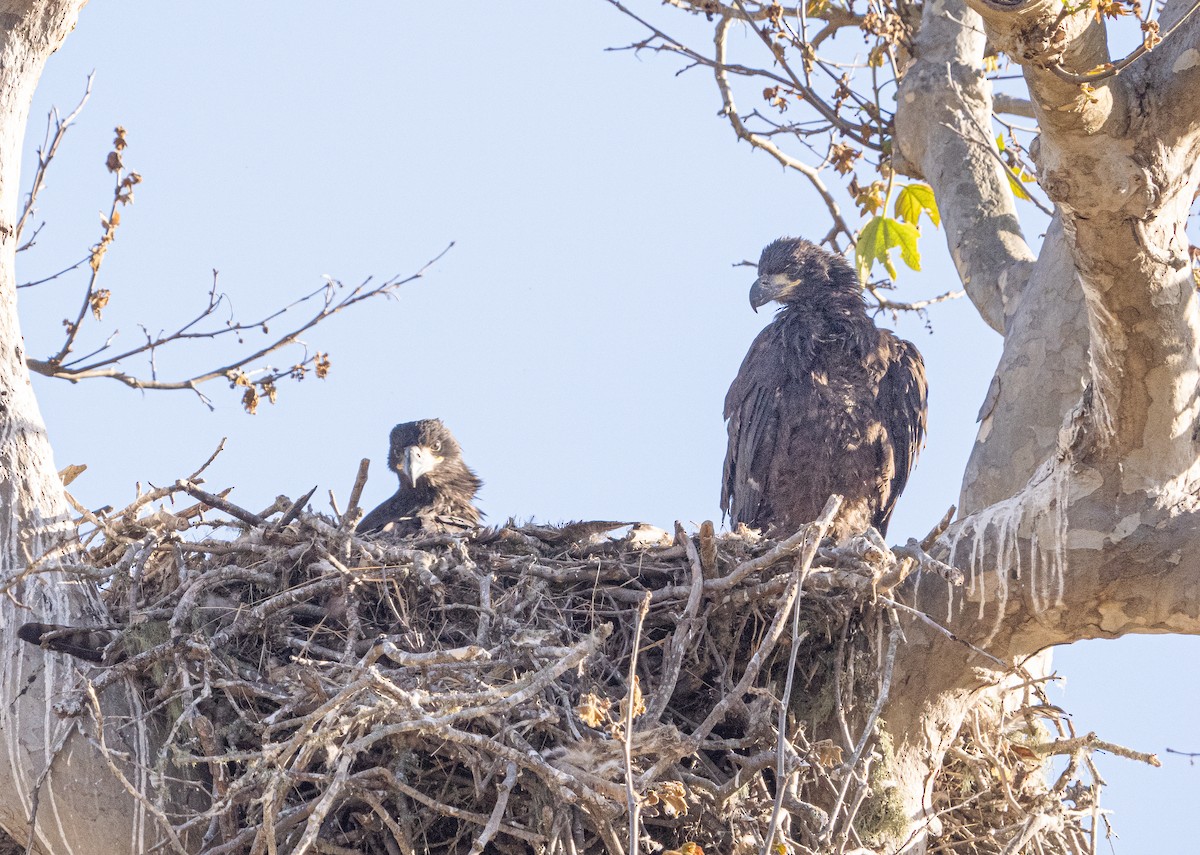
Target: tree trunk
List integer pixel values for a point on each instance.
(52, 769)
(1081, 506)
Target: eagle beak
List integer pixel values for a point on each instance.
(761, 293)
(418, 461)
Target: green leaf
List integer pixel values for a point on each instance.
(1017, 189)
(1015, 185)
(915, 198)
(880, 236)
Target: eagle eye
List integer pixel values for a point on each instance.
(437, 446)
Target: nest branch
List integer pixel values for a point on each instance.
(527, 686)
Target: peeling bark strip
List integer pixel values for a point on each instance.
(1101, 541)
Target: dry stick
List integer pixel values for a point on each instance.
(883, 304)
(486, 703)
(938, 530)
(220, 504)
(294, 510)
(458, 813)
(399, 835)
(493, 823)
(889, 663)
(568, 787)
(360, 481)
(777, 553)
(799, 575)
(483, 627)
(289, 818)
(774, 631)
(631, 799)
(138, 796)
(65, 729)
(920, 615)
(317, 818)
(839, 707)
(685, 632)
(989, 754)
(1070, 746)
(249, 620)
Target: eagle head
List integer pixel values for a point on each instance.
(791, 270)
(419, 449)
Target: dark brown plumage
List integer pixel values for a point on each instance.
(825, 402)
(437, 490)
(80, 642)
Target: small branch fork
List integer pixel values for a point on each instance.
(214, 321)
(238, 371)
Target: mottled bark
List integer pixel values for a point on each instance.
(80, 806)
(943, 122)
(1081, 490)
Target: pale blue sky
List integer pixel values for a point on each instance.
(578, 339)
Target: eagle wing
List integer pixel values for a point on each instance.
(398, 506)
(753, 415)
(903, 411)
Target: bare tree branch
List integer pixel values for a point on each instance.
(46, 154)
(235, 370)
(730, 111)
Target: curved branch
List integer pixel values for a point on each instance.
(943, 104)
(730, 111)
(1052, 45)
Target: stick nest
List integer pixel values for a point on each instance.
(530, 689)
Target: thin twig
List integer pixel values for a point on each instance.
(799, 575)
(46, 155)
(632, 702)
(493, 823)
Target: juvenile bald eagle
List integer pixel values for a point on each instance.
(825, 402)
(437, 490)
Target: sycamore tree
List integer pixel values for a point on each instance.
(1077, 518)
(1078, 513)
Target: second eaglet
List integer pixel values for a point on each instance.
(437, 490)
(825, 402)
